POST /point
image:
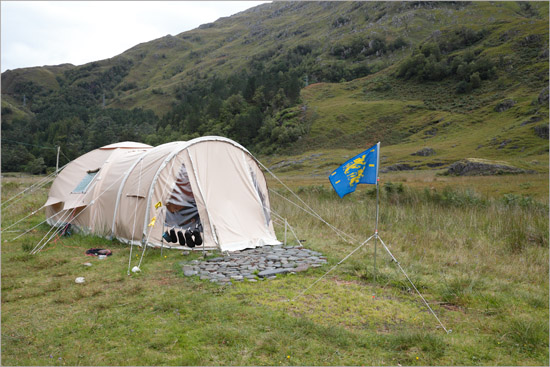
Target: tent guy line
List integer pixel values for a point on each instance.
(311, 211)
(331, 269)
(22, 219)
(30, 229)
(338, 231)
(134, 222)
(39, 246)
(44, 181)
(66, 215)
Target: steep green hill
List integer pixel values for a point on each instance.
(295, 76)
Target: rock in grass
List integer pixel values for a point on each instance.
(541, 131)
(397, 167)
(504, 105)
(274, 272)
(189, 272)
(301, 267)
(424, 152)
(482, 167)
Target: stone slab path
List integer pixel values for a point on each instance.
(254, 264)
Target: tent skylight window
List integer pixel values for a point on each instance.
(86, 181)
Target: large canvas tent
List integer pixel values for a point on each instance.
(136, 193)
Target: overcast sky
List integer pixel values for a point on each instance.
(37, 33)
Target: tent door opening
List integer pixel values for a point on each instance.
(181, 208)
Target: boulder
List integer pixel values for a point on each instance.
(424, 152)
(505, 105)
(397, 167)
(482, 167)
(543, 96)
(541, 131)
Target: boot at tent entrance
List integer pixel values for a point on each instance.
(137, 193)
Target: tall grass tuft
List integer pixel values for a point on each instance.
(528, 333)
(460, 291)
(419, 341)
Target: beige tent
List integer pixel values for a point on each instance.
(136, 193)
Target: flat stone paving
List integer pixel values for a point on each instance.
(254, 264)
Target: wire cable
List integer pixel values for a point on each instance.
(20, 220)
(42, 182)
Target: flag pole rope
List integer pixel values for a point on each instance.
(410, 281)
(375, 235)
(334, 267)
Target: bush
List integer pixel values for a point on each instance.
(427, 64)
(36, 166)
(523, 201)
(390, 187)
(318, 190)
(475, 80)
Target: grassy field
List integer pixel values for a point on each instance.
(477, 248)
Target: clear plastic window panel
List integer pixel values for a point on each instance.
(181, 207)
(86, 181)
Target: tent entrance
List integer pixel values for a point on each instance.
(181, 207)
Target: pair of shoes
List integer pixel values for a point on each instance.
(189, 238)
(170, 236)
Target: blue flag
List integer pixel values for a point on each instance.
(361, 169)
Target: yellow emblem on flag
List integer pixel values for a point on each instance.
(355, 177)
(158, 205)
(355, 165)
(371, 165)
(152, 224)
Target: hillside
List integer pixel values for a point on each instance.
(297, 76)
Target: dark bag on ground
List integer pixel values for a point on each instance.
(98, 251)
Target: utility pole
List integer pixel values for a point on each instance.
(103, 100)
(24, 100)
(57, 161)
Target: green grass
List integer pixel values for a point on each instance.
(454, 243)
